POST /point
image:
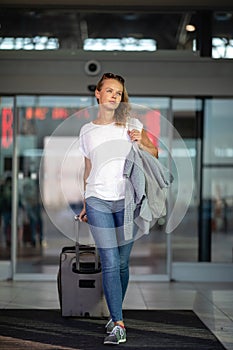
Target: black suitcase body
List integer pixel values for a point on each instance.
(80, 281)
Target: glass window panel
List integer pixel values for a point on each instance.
(220, 186)
(185, 155)
(6, 152)
(218, 143)
(218, 174)
(222, 31)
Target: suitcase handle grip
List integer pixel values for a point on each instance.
(76, 217)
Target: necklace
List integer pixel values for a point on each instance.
(99, 122)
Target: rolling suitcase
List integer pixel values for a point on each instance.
(80, 280)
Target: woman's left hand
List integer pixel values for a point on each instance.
(135, 135)
(143, 141)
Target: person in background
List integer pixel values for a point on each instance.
(105, 143)
(5, 208)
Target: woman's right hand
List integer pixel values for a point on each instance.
(82, 215)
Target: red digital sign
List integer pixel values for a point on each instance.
(36, 113)
(41, 113)
(7, 127)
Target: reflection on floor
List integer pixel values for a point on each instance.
(212, 302)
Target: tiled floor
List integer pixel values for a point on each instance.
(212, 302)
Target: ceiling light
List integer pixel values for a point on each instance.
(119, 44)
(190, 28)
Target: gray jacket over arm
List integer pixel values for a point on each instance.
(145, 192)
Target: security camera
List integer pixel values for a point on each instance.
(91, 88)
(92, 67)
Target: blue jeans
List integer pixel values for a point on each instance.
(106, 222)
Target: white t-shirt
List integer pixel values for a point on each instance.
(107, 147)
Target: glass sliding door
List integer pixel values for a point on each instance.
(6, 158)
(217, 177)
(40, 120)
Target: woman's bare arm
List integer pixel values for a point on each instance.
(147, 144)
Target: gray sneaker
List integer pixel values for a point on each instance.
(117, 336)
(109, 326)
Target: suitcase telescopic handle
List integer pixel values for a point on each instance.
(76, 230)
(77, 245)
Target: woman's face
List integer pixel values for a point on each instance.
(110, 94)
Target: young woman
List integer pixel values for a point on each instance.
(105, 143)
